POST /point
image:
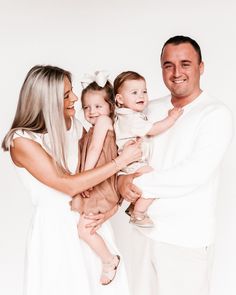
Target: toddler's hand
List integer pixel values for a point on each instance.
(86, 194)
(98, 219)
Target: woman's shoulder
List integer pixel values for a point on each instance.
(22, 133)
(25, 145)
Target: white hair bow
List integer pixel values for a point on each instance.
(100, 77)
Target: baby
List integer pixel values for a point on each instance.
(130, 122)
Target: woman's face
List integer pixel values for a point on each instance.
(69, 100)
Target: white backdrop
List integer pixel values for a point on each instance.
(84, 36)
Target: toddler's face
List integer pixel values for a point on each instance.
(94, 105)
(133, 95)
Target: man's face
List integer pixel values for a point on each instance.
(181, 71)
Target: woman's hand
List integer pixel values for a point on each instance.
(98, 219)
(131, 153)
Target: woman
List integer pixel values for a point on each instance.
(43, 142)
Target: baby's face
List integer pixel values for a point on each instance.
(133, 95)
(94, 105)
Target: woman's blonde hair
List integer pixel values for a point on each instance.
(40, 109)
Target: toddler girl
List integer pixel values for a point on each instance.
(130, 122)
(98, 147)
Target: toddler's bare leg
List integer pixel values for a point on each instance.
(98, 245)
(95, 241)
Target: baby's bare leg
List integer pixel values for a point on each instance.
(142, 205)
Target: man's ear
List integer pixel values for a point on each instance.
(201, 68)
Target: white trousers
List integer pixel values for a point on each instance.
(163, 269)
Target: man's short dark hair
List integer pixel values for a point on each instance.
(176, 40)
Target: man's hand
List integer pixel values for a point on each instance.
(127, 189)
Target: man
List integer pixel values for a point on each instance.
(186, 162)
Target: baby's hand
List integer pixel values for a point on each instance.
(175, 113)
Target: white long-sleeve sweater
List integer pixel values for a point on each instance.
(186, 162)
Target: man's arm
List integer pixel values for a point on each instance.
(212, 140)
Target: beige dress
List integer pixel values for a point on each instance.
(104, 196)
(129, 125)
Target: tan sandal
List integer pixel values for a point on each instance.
(141, 219)
(109, 269)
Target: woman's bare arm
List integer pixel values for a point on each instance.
(30, 155)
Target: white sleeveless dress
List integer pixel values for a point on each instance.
(57, 261)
